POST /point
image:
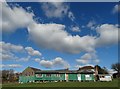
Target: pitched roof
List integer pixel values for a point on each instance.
(53, 71)
(57, 71)
(62, 70)
(86, 68)
(35, 69)
(46, 71)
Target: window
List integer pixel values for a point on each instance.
(25, 74)
(38, 75)
(87, 77)
(29, 74)
(32, 73)
(48, 75)
(57, 75)
(103, 76)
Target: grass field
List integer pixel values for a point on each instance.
(114, 83)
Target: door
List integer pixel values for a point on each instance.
(66, 77)
(79, 77)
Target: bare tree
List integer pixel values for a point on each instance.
(7, 75)
(116, 67)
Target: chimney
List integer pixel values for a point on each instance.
(96, 70)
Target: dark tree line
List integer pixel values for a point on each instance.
(9, 76)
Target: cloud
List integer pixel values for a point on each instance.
(24, 59)
(57, 62)
(88, 58)
(32, 52)
(46, 63)
(54, 36)
(79, 66)
(59, 39)
(96, 61)
(10, 66)
(10, 47)
(85, 59)
(116, 9)
(71, 16)
(9, 51)
(6, 56)
(59, 9)
(55, 9)
(91, 24)
(14, 18)
(37, 60)
(108, 35)
(75, 29)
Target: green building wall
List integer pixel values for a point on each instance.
(53, 77)
(26, 79)
(83, 77)
(72, 77)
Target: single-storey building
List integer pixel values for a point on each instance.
(30, 74)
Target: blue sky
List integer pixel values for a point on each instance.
(59, 35)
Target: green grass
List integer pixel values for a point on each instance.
(114, 83)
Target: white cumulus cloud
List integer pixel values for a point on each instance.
(54, 36)
(85, 59)
(8, 51)
(55, 9)
(79, 66)
(108, 35)
(91, 24)
(46, 63)
(75, 29)
(88, 58)
(37, 59)
(32, 52)
(57, 62)
(15, 17)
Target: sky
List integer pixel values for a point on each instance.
(58, 35)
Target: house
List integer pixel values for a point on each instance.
(86, 73)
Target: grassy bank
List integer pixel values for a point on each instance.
(114, 83)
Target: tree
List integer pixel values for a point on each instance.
(116, 67)
(101, 70)
(7, 75)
